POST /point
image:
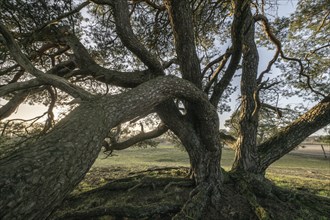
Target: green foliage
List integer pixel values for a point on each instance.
(308, 40)
(325, 139)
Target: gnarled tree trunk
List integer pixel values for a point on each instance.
(37, 177)
(246, 158)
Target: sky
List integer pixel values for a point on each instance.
(26, 111)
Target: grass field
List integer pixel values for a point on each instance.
(296, 172)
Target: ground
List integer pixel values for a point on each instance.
(150, 184)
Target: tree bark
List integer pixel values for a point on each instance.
(180, 14)
(246, 157)
(200, 139)
(36, 178)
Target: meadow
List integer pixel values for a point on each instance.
(296, 172)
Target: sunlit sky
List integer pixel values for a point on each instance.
(285, 7)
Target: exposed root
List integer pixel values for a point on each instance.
(178, 184)
(123, 211)
(196, 205)
(241, 196)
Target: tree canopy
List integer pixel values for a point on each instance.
(170, 65)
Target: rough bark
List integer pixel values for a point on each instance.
(17, 86)
(35, 179)
(246, 157)
(30, 186)
(201, 140)
(180, 14)
(125, 32)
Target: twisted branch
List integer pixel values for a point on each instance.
(279, 51)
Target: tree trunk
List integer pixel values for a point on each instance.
(198, 134)
(246, 158)
(204, 160)
(37, 177)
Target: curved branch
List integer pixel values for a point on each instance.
(278, 44)
(161, 129)
(237, 32)
(74, 143)
(223, 60)
(88, 66)
(127, 36)
(272, 37)
(64, 15)
(50, 115)
(17, 86)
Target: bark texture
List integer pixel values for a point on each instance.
(246, 157)
(49, 168)
(35, 179)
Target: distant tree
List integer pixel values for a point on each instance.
(325, 139)
(113, 61)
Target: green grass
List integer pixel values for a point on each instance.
(171, 156)
(291, 171)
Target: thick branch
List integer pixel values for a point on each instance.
(181, 19)
(246, 152)
(127, 36)
(17, 86)
(89, 67)
(74, 143)
(292, 135)
(203, 134)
